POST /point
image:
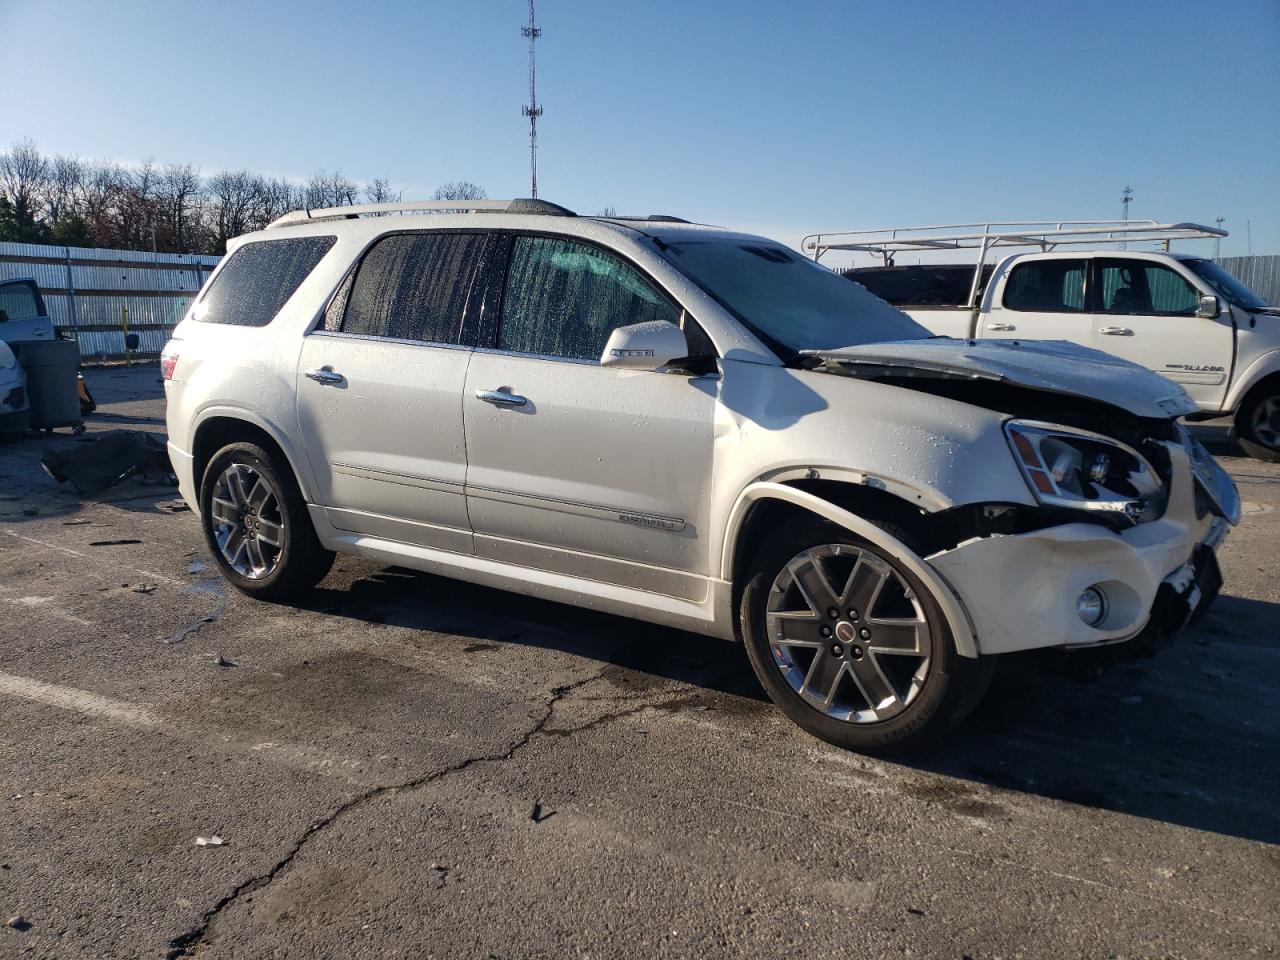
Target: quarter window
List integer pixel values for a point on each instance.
(1046, 286)
(414, 286)
(563, 299)
(259, 278)
(1141, 287)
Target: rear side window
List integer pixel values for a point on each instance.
(254, 284)
(563, 299)
(1046, 286)
(414, 286)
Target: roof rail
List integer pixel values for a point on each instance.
(651, 218)
(1045, 234)
(521, 205)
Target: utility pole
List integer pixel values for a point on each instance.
(1217, 243)
(532, 110)
(1126, 197)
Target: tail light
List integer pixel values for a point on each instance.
(169, 359)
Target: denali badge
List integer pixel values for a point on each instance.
(658, 523)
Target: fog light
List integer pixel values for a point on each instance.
(1092, 606)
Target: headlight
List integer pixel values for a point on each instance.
(1079, 470)
(1211, 478)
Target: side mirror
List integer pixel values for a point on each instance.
(1207, 308)
(645, 346)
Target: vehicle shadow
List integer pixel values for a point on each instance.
(1186, 737)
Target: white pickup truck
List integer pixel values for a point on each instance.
(1179, 314)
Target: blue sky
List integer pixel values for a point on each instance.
(785, 118)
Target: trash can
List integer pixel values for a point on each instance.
(51, 381)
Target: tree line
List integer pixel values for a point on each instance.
(169, 208)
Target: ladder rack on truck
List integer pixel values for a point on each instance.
(984, 237)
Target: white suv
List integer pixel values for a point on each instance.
(689, 426)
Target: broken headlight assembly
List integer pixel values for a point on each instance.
(1078, 470)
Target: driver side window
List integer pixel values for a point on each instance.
(1142, 288)
(563, 299)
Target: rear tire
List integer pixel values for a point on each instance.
(256, 524)
(1258, 424)
(897, 651)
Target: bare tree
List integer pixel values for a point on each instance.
(330, 190)
(608, 211)
(459, 190)
(24, 175)
(379, 191)
(179, 199)
(235, 199)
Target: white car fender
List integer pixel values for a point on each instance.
(1264, 366)
(957, 620)
(279, 436)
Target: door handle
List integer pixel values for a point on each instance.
(324, 375)
(1116, 331)
(1001, 326)
(501, 398)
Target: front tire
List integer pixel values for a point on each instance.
(256, 525)
(1258, 425)
(851, 645)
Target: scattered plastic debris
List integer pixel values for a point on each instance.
(221, 661)
(111, 543)
(75, 523)
(145, 588)
(18, 923)
(214, 841)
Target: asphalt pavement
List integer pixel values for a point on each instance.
(406, 766)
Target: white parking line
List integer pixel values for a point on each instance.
(99, 707)
(81, 701)
(84, 556)
(46, 604)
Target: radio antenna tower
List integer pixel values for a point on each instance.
(532, 110)
(1126, 198)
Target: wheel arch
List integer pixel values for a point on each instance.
(1263, 371)
(762, 505)
(219, 427)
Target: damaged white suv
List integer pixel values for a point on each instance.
(693, 427)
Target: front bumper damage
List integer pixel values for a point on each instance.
(1020, 590)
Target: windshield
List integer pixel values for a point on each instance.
(1226, 285)
(792, 303)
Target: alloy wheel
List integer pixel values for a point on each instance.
(1266, 423)
(848, 633)
(247, 523)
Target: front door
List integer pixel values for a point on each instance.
(586, 470)
(1040, 299)
(380, 392)
(1146, 312)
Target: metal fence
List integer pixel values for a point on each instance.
(1259, 274)
(94, 296)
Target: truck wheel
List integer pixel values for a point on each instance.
(256, 524)
(1258, 424)
(851, 645)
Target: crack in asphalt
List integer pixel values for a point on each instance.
(185, 944)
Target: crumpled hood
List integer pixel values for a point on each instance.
(1056, 366)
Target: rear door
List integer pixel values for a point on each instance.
(22, 312)
(1040, 299)
(594, 471)
(380, 391)
(1145, 311)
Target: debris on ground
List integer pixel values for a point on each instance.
(145, 588)
(221, 661)
(112, 543)
(537, 815)
(214, 841)
(112, 457)
(75, 523)
(18, 923)
(197, 566)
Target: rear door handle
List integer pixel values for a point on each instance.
(1116, 331)
(1001, 326)
(325, 375)
(501, 398)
